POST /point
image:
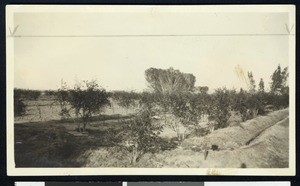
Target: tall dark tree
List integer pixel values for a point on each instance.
(279, 80)
(261, 85)
(170, 80)
(251, 82)
(284, 85)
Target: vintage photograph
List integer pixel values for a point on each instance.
(108, 90)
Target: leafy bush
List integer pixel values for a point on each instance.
(86, 99)
(250, 105)
(63, 98)
(186, 109)
(220, 107)
(143, 135)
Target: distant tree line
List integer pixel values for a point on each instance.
(27, 94)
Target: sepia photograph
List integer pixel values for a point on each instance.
(150, 90)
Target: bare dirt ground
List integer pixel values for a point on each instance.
(261, 142)
(268, 150)
(58, 144)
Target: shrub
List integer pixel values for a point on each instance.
(143, 135)
(63, 98)
(87, 99)
(220, 107)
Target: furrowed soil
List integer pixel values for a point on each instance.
(262, 142)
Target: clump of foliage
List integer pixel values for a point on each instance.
(143, 135)
(188, 109)
(87, 98)
(220, 107)
(63, 98)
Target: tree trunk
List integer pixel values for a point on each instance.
(134, 155)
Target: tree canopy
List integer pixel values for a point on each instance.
(169, 80)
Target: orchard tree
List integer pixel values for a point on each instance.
(87, 99)
(170, 80)
(188, 109)
(143, 135)
(167, 83)
(240, 104)
(221, 106)
(63, 97)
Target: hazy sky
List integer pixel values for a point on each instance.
(121, 46)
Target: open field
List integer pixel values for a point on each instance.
(49, 109)
(258, 143)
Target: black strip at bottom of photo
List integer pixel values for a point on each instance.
(248, 183)
(109, 184)
(83, 184)
(122, 184)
